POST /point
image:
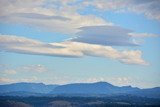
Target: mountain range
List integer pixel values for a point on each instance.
(76, 89)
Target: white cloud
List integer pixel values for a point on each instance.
(9, 70)
(33, 68)
(29, 46)
(64, 18)
(128, 57)
(6, 80)
(68, 49)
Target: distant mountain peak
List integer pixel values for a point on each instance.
(102, 82)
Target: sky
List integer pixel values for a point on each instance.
(77, 41)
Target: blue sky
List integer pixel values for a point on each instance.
(57, 42)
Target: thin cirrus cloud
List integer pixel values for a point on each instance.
(68, 49)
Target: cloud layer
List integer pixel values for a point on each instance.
(57, 16)
(68, 49)
(62, 17)
(105, 35)
(93, 36)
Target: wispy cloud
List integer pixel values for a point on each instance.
(90, 31)
(4, 80)
(149, 8)
(68, 49)
(64, 18)
(32, 68)
(36, 68)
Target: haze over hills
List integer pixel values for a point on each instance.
(76, 89)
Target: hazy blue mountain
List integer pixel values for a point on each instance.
(82, 89)
(104, 88)
(92, 88)
(26, 87)
(150, 92)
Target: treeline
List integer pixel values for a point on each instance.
(60, 101)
